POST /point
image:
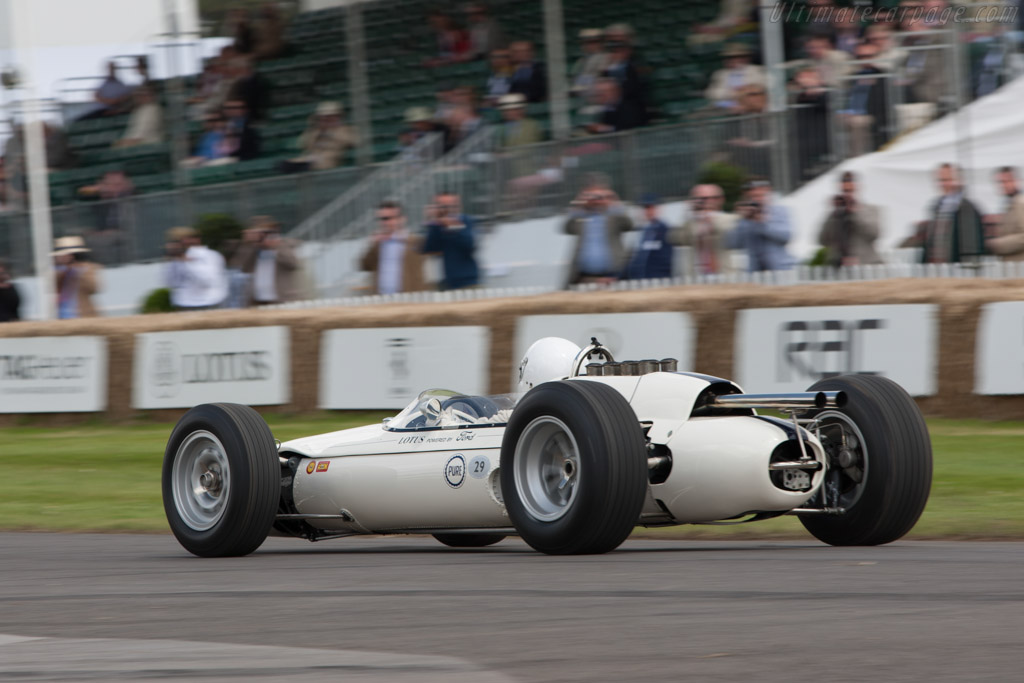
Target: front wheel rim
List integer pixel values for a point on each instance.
(547, 468)
(201, 480)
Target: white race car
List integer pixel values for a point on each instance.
(593, 448)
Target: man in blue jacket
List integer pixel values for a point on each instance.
(450, 234)
(652, 257)
(763, 230)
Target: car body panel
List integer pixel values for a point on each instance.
(371, 479)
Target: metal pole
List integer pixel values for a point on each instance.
(773, 56)
(359, 91)
(175, 98)
(558, 87)
(35, 164)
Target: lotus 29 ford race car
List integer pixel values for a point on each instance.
(593, 448)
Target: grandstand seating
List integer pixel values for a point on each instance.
(396, 41)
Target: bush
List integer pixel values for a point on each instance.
(158, 301)
(218, 230)
(728, 177)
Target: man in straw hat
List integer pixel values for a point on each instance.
(325, 140)
(195, 275)
(738, 73)
(77, 278)
(516, 128)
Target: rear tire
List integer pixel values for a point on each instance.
(469, 540)
(221, 480)
(573, 468)
(885, 487)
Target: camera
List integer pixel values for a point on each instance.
(840, 202)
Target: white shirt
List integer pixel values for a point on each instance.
(145, 125)
(199, 280)
(264, 276)
(389, 267)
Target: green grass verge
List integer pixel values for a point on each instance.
(107, 478)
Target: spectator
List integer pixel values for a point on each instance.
(241, 141)
(652, 257)
(419, 123)
(77, 278)
(450, 234)
(215, 84)
(953, 231)
(1009, 240)
(738, 73)
(462, 123)
(112, 97)
(751, 141)
(763, 230)
(211, 146)
(846, 31)
(146, 123)
(114, 216)
(451, 42)
(528, 77)
(142, 69)
(888, 57)
(599, 222)
(622, 66)
(832, 65)
(500, 80)
(10, 300)
(866, 115)
(516, 128)
(706, 231)
(616, 113)
(927, 70)
(394, 257)
(196, 275)
(484, 33)
(271, 262)
(850, 231)
(238, 27)
(811, 121)
(591, 64)
(249, 87)
(733, 17)
(325, 141)
(268, 34)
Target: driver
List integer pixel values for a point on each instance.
(547, 359)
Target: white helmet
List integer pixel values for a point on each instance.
(547, 359)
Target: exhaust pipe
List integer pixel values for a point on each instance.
(806, 400)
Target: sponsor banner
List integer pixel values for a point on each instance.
(389, 367)
(999, 350)
(788, 349)
(249, 365)
(629, 336)
(53, 375)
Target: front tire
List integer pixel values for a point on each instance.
(573, 468)
(880, 463)
(221, 480)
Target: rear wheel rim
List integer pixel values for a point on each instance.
(547, 468)
(841, 483)
(201, 480)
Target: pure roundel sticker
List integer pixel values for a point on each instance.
(455, 471)
(310, 467)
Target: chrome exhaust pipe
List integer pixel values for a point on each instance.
(807, 400)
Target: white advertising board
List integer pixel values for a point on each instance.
(249, 365)
(53, 375)
(629, 336)
(389, 367)
(788, 349)
(999, 349)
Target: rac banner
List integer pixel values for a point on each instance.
(788, 349)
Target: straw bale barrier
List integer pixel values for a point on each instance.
(713, 309)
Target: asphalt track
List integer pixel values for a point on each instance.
(119, 607)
